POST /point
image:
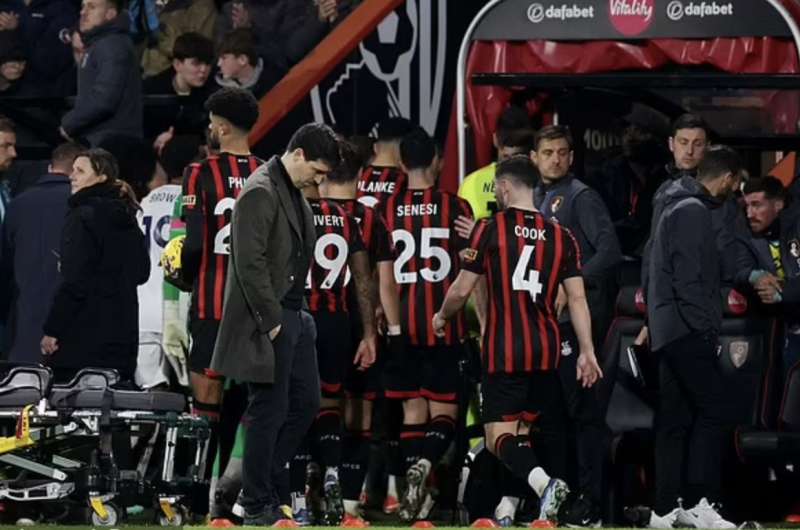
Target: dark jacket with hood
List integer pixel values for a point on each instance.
(95, 311)
(727, 221)
(109, 86)
(684, 278)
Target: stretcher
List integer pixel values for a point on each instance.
(61, 447)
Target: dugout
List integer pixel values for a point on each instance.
(592, 65)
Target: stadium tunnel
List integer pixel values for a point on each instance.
(595, 65)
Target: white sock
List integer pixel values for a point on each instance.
(351, 508)
(212, 488)
(507, 508)
(538, 480)
(298, 502)
(391, 488)
(426, 464)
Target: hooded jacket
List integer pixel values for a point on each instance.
(103, 258)
(109, 86)
(683, 295)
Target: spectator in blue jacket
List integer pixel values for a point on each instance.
(31, 239)
(109, 83)
(43, 27)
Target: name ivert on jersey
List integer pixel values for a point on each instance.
(328, 220)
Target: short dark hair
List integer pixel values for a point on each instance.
(66, 153)
(365, 145)
(193, 45)
(520, 169)
(318, 142)
(6, 125)
(240, 41)
(689, 121)
(178, 153)
(719, 160)
(350, 166)
(512, 118)
(552, 132)
(237, 105)
(119, 5)
(773, 188)
(519, 138)
(417, 150)
(393, 129)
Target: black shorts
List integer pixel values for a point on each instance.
(428, 372)
(204, 337)
(524, 397)
(336, 349)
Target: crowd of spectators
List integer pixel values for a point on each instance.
(110, 53)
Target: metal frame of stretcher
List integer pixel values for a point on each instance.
(88, 407)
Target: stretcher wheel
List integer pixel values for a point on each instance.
(112, 518)
(179, 519)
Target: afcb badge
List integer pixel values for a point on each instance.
(738, 351)
(794, 248)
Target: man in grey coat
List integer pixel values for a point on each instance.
(265, 338)
(109, 83)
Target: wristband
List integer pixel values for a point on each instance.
(393, 331)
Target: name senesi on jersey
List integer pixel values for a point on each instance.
(376, 187)
(405, 210)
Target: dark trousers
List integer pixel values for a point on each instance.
(690, 422)
(588, 430)
(279, 414)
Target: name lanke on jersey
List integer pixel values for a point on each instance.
(376, 187)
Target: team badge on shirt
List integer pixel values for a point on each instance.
(556, 204)
(794, 248)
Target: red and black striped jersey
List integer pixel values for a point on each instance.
(338, 237)
(210, 189)
(421, 224)
(374, 233)
(378, 183)
(525, 258)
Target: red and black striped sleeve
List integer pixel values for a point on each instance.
(474, 257)
(571, 262)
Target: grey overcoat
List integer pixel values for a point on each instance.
(261, 272)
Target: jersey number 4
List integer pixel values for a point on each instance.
(427, 250)
(524, 278)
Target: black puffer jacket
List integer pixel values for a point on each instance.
(95, 311)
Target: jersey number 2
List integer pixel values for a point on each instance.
(222, 241)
